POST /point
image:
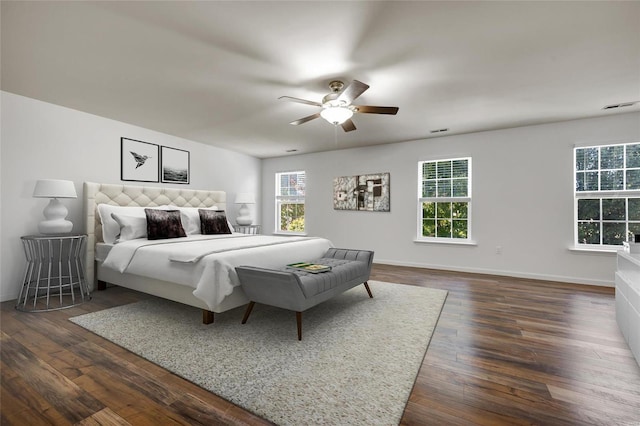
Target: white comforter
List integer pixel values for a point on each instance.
(207, 262)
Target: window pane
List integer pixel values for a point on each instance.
(587, 159)
(444, 228)
(429, 210)
(613, 233)
(580, 181)
(589, 209)
(460, 187)
(634, 229)
(444, 169)
(589, 232)
(613, 209)
(444, 188)
(443, 210)
(459, 210)
(429, 170)
(633, 155)
(633, 179)
(429, 188)
(611, 180)
(591, 181)
(459, 229)
(429, 228)
(634, 209)
(612, 157)
(460, 168)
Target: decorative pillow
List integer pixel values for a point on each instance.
(213, 222)
(131, 227)
(191, 219)
(163, 224)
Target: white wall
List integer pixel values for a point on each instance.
(45, 141)
(522, 200)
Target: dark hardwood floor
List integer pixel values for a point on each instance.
(506, 351)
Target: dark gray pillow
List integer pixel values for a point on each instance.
(213, 222)
(163, 224)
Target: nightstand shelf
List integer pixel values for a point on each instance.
(54, 277)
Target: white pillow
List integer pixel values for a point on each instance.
(110, 228)
(191, 219)
(131, 227)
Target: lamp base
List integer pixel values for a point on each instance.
(243, 220)
(55, 222)
(60, 226)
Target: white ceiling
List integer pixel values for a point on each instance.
(212, 72)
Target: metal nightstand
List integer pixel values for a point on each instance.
(54, 277)
(247, 229)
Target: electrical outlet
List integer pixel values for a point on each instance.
(498, 249)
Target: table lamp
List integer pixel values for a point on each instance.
(55, 212)
(244, 217)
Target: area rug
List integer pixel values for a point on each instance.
(356, 363)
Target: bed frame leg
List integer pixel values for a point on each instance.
(207, 317)
(102, 285)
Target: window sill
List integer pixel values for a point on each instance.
(604, 250)
(449, 242)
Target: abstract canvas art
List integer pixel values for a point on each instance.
(362, 192)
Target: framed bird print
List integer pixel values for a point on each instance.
(139, 161)
(175, 165)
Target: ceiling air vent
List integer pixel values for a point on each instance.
(622, 105)
(439, 130)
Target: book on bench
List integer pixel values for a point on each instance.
(314, 268)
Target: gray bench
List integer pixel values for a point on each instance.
(298, 290)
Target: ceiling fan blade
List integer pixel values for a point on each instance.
(355, 89)
(367, 109)
(305, 119)
(301, 101)
(348, 126)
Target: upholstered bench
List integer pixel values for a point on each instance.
(299, 290)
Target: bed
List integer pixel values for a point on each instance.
(201, 268)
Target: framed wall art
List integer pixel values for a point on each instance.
(139, 160)
(362, 192)
(175, 165)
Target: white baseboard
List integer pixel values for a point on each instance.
(515, 274)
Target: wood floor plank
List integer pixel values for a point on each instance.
(506, 351)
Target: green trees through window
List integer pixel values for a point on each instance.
(290, 193)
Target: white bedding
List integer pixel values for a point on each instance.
(207, 262)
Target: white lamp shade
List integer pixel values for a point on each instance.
(53, 188)
(245, 198)
(336, 114)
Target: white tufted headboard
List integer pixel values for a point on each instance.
(142, 196)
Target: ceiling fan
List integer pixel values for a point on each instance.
(337, 108)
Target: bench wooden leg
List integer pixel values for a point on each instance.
(248, 312)
(207, 317)
(299, 321)
(366, 285)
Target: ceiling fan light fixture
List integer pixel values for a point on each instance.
(337, 114)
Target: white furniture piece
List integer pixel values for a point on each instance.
(628, 299)
(54, 277)
(55, 212)
(244, 217)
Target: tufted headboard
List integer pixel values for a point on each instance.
(142, 196)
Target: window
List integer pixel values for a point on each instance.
(607, 194)
(444, 199)
(290, 189)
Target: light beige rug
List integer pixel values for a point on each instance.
(356, 364)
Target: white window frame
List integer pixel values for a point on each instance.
(602, 195)
(288, 199)
(467, 199)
